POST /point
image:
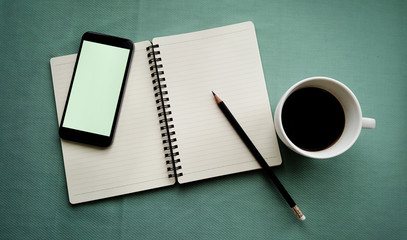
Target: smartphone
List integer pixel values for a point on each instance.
(97, 87)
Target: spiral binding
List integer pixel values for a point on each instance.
(164, 113)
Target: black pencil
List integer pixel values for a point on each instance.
(258, 157)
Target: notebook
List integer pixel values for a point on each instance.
(170, 129)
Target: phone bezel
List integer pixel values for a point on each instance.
(88, 137)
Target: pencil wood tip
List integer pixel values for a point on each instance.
(217, 99)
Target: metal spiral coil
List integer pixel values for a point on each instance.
(164, 113)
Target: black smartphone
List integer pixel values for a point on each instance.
(97, 87)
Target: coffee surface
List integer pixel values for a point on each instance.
(313, 118)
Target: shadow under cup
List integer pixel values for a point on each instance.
(352, 114)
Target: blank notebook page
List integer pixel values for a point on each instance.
(135, 161)
(225, 60)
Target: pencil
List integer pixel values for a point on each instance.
(258, 157)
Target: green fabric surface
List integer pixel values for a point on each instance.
(359, 194)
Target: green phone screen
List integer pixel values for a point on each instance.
(96, 88)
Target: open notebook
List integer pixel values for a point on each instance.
(170, 128)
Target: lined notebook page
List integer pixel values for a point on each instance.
(225, 60)
(135, 161)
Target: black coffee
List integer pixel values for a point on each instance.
(313, 118)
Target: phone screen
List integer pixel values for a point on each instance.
(96, 88)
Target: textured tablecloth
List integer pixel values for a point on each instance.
(360, 194)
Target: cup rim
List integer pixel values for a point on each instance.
(321, 154)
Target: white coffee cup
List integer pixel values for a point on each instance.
(354, 121)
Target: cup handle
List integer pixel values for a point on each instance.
(368, 123)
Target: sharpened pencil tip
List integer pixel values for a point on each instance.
(217, 99)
